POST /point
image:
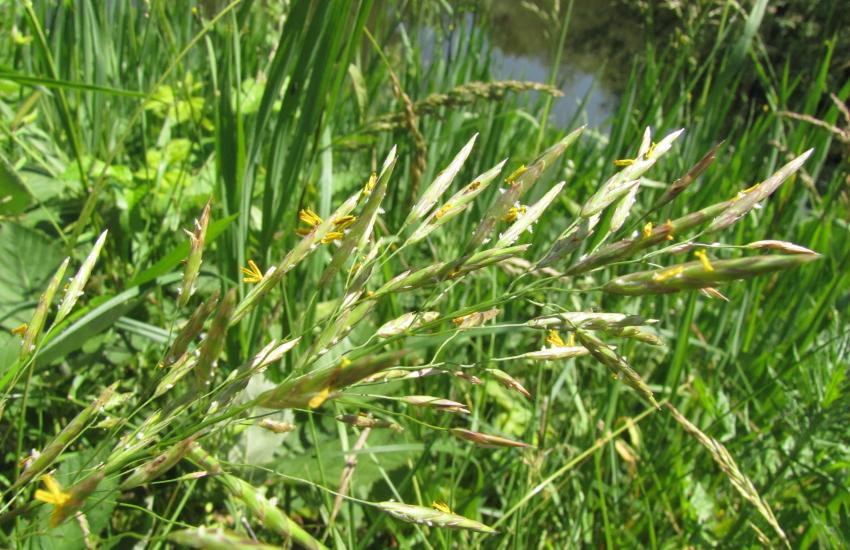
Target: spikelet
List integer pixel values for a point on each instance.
(475, 319)
(271, 517)
(782, 246)
(153, 469)
(359, 232)
(276, 427)
(299, 391)
(531, 215)
(196, 252)
(620, 183)
(190, 330)
(694, 275)
(75, 287)
(409, 321)
(215, 538)
(457, 203)
(616, 364)
(428, 401)
(555, 352)
(64, 438)
(738, 479)
(627, 248)
(509, 382)
(434, 191)
(570, 320)
(364, 421)
(747, 200)
(302, 249)
(486, 440)
(214, 342)
(678, 186)
(517, 189)
(432, 517)
(38, 317)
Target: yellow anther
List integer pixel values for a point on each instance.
(252, 273)
(667, 274)
(370, 185)
(703, 258)
(555, 339)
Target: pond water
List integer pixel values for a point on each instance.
(599, 49)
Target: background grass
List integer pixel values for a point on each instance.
(129, 116)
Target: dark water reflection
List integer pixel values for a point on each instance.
(602, 42)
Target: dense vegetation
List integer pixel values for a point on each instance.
(379, 332)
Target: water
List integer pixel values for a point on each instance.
(601, 45)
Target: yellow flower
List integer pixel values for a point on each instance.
(555, 339)
(344, 222)
(624, 162)
(647, 230)
(309, 217)
(443, 210)
(19, 330)
(319, 398)
(668, 273)
(344, 362)
(370, 185)
(703, 258)
(332, 236)
(441, 506)
(514, 212)
(254, 275)
(55, 496)
(649, 151)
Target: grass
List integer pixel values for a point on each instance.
(368, 374)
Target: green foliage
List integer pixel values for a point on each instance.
(129, 116)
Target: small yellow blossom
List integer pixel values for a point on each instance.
(344, 362)
(332, 236)
(308, 216)
(442, 211)
(647, 230)
(319, 398)
(19, 330)
(252, 272)
(703, 258)
(516, 174)
(55, 496)
(650, 151)
(555, 339)
(370, 185)
(624, 162)
(514, 212)
(344, 222)
(668, 273)
(441, 506)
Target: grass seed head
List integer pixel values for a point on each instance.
(694, 275)
(432, 517)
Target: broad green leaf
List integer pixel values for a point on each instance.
(14, 196)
